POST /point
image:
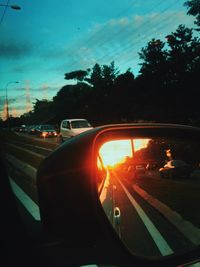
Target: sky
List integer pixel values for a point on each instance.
(46, 39)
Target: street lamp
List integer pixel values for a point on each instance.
(7, 108)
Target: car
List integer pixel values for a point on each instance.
(175, 169)
(31, 130)
(17, 129)
(72, 127)
(46, 130)
(140, 169)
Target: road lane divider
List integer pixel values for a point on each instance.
(25, 150)
(158, 239)
(26, 201)
(34, 146)
(190, 231)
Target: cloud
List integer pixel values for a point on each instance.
(47, 87)
(13, 49)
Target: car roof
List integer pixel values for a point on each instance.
(74, 120)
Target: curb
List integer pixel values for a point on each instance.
(190, 231)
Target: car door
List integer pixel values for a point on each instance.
(65, 129)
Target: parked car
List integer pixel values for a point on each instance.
(72, 127)
(46, 131)
(175, 169)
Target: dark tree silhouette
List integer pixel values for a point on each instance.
(194, 10)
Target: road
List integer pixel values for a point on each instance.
(144, 229)
(24, 154)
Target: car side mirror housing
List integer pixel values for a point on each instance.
(108, 187)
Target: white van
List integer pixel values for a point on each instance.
(72, 127)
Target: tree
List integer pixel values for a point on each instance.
(180, 53)
(42, 111)
(125, 95)
(154, 58)
(102, 100)
(109, 73)
(194, 10)
(72, 101)
(183, 60)
(152, 81)
(78, 75)
(167, 76)
(95, 78)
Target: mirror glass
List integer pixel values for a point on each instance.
(149, 189)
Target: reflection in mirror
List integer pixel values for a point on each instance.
(150, 191)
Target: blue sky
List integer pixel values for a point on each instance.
(48, 38)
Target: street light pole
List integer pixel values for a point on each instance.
(7, 108)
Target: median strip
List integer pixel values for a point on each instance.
(190, 231)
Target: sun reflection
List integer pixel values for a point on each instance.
(140, 143)
(115, 152)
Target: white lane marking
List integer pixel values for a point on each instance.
(160, 242)
(27, 202)
(25, 150)
(191, 232)
(40, 147)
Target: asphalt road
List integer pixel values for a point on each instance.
(143, 229)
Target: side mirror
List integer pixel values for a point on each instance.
(97, 188)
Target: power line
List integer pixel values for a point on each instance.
(97, 33)
(4, 12)
(92, 37)
(146, 37)
(142, 29)
(131, 45)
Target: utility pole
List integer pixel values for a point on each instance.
(28, 98)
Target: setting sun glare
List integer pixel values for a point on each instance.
(114, 152)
